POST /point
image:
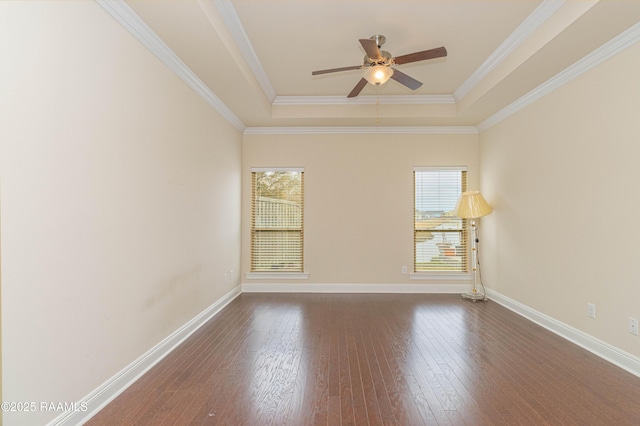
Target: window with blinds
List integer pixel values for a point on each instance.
(277, 220)
(439, 237)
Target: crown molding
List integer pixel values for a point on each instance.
(538, 17)
(364, 130)
(365, 100)
(598, 56)
(232, 21)
(122, 13)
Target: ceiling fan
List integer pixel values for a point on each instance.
(378, 64)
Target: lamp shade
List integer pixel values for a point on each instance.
(378, 74)
(471, 205)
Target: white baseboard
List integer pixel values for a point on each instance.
(113, 387)
(602, 349)
(354, 288)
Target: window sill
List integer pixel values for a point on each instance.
(428, 276)
(276, 275)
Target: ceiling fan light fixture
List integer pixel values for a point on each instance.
(378, 74)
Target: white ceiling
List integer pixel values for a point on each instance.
(252, 59)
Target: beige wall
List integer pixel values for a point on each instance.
(563, 177)
(120, 193)
(358, 197)
(120, 201)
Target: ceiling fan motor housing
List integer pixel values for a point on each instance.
(384, 60)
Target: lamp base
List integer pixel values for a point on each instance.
(474, 296)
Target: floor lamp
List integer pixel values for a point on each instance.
(471, 205)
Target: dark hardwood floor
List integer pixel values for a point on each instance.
(376, 359)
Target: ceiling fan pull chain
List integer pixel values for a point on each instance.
(377, 106)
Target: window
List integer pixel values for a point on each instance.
(439, 237)
(277, 220)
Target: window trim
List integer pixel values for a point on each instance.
(440, 276)
(276, 275)
(440, 168)
(277, 169)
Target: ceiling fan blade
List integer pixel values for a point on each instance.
(354, 67)
(438, 52)
(371, 47)
(356, 90)
(403, 78)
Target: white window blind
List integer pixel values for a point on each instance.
(277, 220)
(439, 237)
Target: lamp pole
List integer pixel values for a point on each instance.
(474, 295)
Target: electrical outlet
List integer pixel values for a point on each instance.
(404, 269)
(591, 310)
(633, 326)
